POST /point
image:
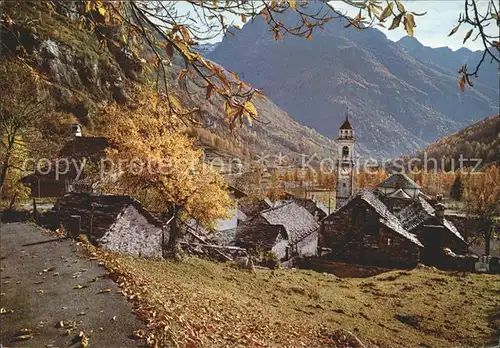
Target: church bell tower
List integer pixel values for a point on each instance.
(345, 163)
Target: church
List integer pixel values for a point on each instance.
(345, 163)
(393, 225)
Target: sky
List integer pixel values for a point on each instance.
(432, 29)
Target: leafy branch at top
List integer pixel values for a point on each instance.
(171, 34)
(479, 20)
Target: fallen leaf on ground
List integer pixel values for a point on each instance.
(79, 286)
(23, 332)
(23, 337)
(82, 339)
(137, 334)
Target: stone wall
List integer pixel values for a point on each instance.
(280, 247)
(134, 235)
(307, 246)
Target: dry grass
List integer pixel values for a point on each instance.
(214, 305)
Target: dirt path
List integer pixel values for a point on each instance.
(46, 281)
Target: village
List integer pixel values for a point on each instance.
(394, 225)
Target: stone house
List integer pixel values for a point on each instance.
(56, 179)
(364, 231)
(433, 229)
(266, 237)
(313, 206)
(359, 232)
(286, 230)
(113, 222)
(399, 185)
(250, 207)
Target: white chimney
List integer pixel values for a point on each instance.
(76, 130)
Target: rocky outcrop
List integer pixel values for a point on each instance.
(77, 72)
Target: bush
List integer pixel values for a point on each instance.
(270, 259)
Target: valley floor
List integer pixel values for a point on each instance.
(209, 304)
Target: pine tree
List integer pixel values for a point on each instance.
(456, 188)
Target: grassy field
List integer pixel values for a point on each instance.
(207, 304)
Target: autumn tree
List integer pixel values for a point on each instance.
(435, 182)
(151, 153)
(275, 192)
(22, 108)
(482, 200)
(368, 178)
(330, 181)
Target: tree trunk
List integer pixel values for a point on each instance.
(12, 201)
(5, 166)
(487, 241)
(173, 246)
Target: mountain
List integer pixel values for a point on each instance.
(480, 140)
(79, 73)
(451, 61)
(397, 103)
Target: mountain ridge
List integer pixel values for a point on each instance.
(398, 103)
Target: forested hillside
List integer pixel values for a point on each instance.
(478, 141)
